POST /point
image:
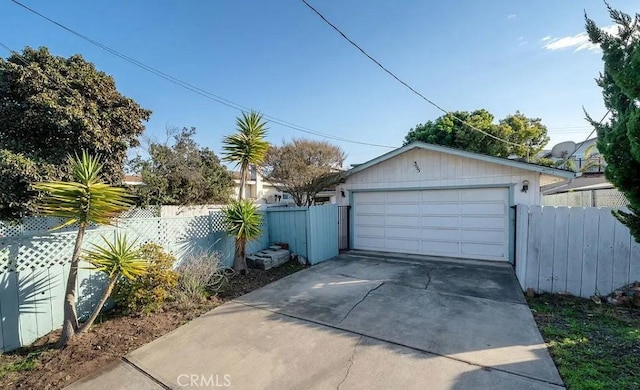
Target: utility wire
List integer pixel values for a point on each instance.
(390, 73)
(586, 139)
(193, 88)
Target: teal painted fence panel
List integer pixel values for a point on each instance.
(289, 225)
(34, 267)
(34, 261)
(322, 233)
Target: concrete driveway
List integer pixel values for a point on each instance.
(361, 321)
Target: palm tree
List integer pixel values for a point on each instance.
(114, 259)
(247, 146)
(83, 201)
(243, 222)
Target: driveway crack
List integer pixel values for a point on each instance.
(428, 278)
(360, 301)
(353, 355)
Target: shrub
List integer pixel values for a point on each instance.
(147, 293)
(199, 276)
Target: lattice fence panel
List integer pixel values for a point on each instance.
(610, 198)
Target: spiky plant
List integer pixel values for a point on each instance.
(83, 201)
(247, 146)
(115, 259)
(243, 222)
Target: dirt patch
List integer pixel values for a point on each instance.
(40, 366)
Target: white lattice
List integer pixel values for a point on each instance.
(32, 245)
(138, 212)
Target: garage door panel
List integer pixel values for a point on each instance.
(371, 208)
(490, 251)
(440, 209)
(440, 234)
(446, 222)
(402, 232)
(402, 209)
(371, 231)
(470, 223)
(402, 245)
(484, 236)
(369, 220)
(375, 197)
(402, 220)
(369, 243)
(445, 248)
(439, 195)
(482, 222)
(482, 208)
(403, 196)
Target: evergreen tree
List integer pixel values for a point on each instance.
(619, 140)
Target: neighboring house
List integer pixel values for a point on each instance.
(260, 190)
(434, 200)
(586, 158)
(132, 180)
(264, 192)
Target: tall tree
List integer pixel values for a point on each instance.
(446, 130)
(50, 105)
(247, 146)
(182, 173)
(303, 168)
(619, 140)
(82, 201)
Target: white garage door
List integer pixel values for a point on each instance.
(467, 223)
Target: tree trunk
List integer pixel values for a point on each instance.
(107, 293)
(239, 261)
(243, 180)
(70, 322)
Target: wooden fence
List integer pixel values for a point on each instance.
(310, 231)
(582, 251)
(34, 261)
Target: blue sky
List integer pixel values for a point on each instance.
(278, 57)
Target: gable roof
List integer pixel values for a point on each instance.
(463, 153)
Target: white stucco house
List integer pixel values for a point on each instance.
(264, 192)
(433, 200)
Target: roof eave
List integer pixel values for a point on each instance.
(463, 153)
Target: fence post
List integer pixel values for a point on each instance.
(522, 235)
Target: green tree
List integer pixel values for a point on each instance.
(619, 140)
(243, 222)
(83, 201)
(247, 146)
(182, 174)
(303, 168)
(446, 130)
(50, 105)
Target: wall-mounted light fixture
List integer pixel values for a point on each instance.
(525, 185)
(415, 165)
(342, 193)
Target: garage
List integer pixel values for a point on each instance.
(465, 223)
(433, 200)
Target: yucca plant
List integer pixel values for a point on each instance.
(83, 201)
(243, 222)
(117, 259)
(246, 147)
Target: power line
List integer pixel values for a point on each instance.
(390, 73)
(588, 137)
(193, 88)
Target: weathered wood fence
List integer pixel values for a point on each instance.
(582, 251)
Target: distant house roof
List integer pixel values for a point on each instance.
(132, 180)
(463, 153)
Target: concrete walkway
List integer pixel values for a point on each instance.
(361, 321)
